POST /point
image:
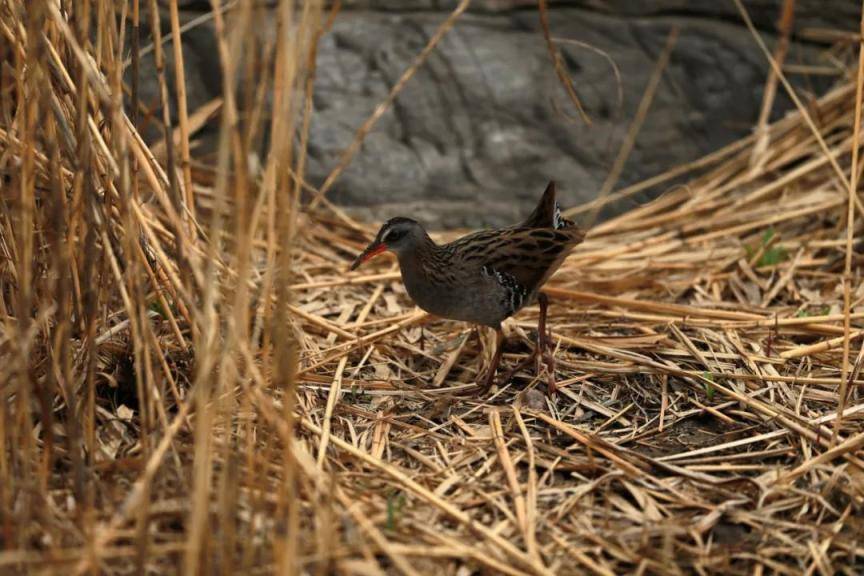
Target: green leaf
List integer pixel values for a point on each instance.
(820, 311)
(395, 502)
(773, 256)
(156, 306)
(709, 389)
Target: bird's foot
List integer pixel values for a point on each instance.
(489, 378)
(522, 364)
(543, 358)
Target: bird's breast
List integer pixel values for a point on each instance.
(469, 297)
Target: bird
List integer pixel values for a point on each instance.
(485, 277)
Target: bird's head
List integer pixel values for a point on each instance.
(398, 235)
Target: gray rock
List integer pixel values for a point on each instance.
(476, 134)
(485, 124)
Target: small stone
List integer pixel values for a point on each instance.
(533, 399)
(578, 414)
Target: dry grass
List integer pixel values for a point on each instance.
(191, 380)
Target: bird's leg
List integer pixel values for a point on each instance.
(543, 351)
(496, 359)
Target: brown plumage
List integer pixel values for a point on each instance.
(484, 277)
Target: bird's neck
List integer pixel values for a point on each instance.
(415, 263)
(422, 275)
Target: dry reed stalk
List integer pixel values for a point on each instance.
(634, 128)
(850, 232)
(785, 28)
(558, 63)
(182, 112)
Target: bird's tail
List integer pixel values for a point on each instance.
(547, 214)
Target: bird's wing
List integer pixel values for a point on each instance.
(530, 255)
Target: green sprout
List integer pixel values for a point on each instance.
(395, 503)
(709, 387)
(771, 255)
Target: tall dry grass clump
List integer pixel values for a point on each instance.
(191, 382)
(138, 315)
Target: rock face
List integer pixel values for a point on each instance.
(476, 134)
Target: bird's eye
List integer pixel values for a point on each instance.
(394, 235)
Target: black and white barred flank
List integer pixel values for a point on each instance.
(516, 293)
